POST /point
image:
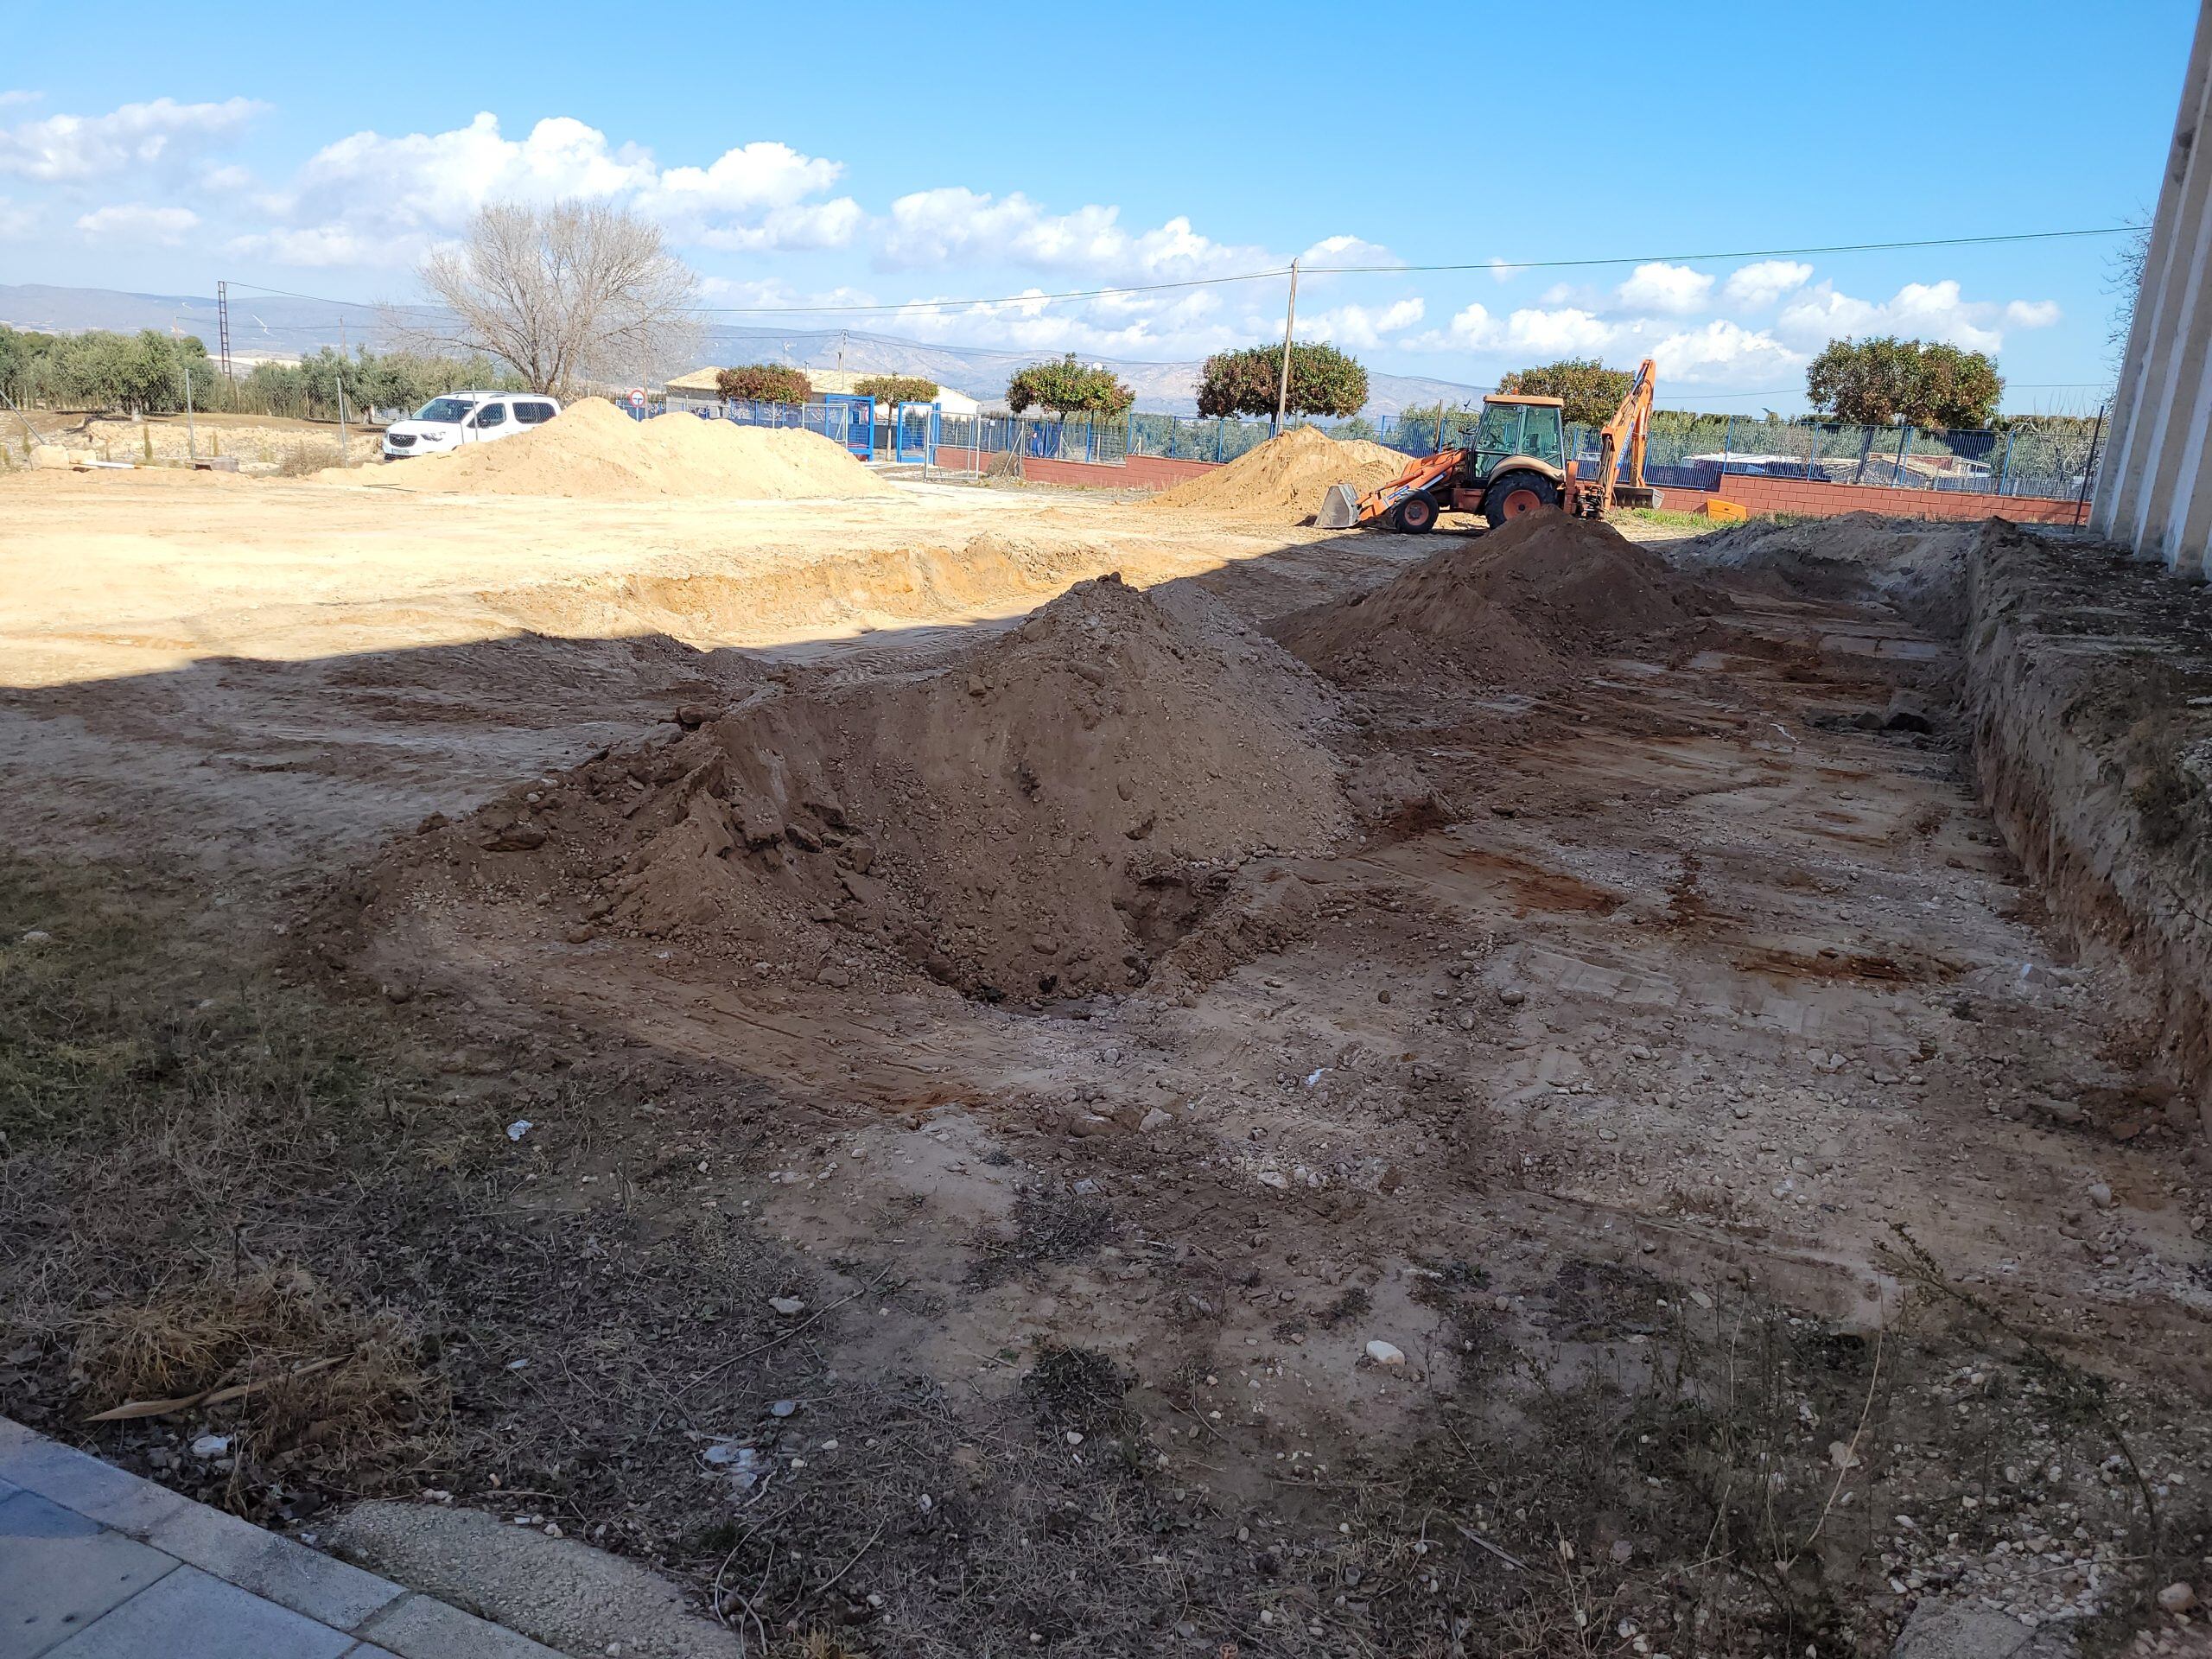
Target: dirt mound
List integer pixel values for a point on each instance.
(1050, 815)
(593, 450)
(1515, 605)
(1283, 480)
(1916, 566)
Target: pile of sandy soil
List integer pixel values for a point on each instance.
(1516, 606)
(1050, 815)
(593, 450)
(1283, 480)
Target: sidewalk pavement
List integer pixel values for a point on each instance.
(98, 1564)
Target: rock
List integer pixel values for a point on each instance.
(1385, 1354)
(782, 1408)
(1511, 996)
(38, 936)
(514, 838)
(1909, 712)
(831, 975)
(50, 458)
(1157, 1118)
(691, 716)
(2100, 1195)
(787, 1306)
(1943, 1630)
(2175, 1598)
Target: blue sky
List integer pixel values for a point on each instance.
(835, 154)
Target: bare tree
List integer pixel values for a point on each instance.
(566, 296)
(2123, 276)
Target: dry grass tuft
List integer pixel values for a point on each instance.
(311, 1380)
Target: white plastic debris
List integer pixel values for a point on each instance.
(210, 1445)
(519, 1128)
(787, 1306)
(1386, 1353)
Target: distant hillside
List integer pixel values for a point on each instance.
(263, 326)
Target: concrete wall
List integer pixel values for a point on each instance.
(2155, 491)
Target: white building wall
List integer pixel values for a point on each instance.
(2154, 491)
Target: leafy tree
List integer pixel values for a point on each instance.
(1886, 380)
(765, 383)
(1323, 381)
(888, 388)
(1068, 387)
(1591, 391)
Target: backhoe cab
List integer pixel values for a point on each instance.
(1516, 465)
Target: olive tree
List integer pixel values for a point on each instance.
(565, 295)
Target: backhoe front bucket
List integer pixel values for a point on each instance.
(1339, 508)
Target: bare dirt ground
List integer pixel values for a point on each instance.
(1640, 1174)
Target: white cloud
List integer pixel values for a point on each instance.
(2032, 313)
(17, 220)
(1763, 282)
(1565, 333)
(1348, 250)
(138, 221)
(1359, 327)
(1918, 310)
(71, 148)
(1673, 290)
(1722, 352)
(956, 226)
(14, 97)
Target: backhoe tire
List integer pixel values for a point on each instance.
(1509, 495)
(1416, 514)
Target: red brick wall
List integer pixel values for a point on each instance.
(1815, 499)
(1139, 473)
(1810, 498)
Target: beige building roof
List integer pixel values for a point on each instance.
(701, 381)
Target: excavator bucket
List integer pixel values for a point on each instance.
(1339, 508)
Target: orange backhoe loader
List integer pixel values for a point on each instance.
(1517, 464)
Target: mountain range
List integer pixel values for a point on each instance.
(283, 326)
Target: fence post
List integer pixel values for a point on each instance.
(1220, 436)
(1727, 437)
(1904, 449)
(2004, 472)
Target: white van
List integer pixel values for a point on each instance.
(445, 423)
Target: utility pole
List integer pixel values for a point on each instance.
(191, 431)
(1289, 323)
(223, 330)
(345, 448)
(841, 350)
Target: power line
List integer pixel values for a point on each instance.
(1284, 271)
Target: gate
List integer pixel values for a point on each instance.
(915, 429)
(851, 421)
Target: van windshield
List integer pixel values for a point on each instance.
(448, 410)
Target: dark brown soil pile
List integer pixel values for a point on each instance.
(1516, 607)
(1048, 815)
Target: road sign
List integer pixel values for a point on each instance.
(637, 397)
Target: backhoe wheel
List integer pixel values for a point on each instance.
(1416, 514)
(1512, 495)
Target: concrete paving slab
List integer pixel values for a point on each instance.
(60, 1573)
(288, 1574)
(69, 1477)
(192, 1615)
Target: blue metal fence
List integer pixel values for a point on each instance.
(2027, 458)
